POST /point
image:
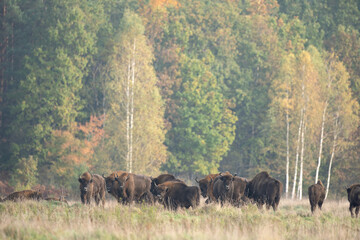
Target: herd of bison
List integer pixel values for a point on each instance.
(174, 193)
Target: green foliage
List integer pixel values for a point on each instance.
(205, 129)
(25, 175)
(218, 76)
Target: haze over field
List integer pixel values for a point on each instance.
(189, 87)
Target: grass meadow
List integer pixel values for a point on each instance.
(293, 220)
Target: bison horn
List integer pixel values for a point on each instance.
(220, 174)
(196, 180)
(235, 174)
(103, 175)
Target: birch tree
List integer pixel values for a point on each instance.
(135, 125)
(343, 109)
(307, 81)
(281, 109)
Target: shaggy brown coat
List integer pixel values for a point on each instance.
(316, 195)
(239, 190)
(112, 186)
(223, 188)
(177, 194)
(264, 189)
(354, 198)
(23, 195)
(134, 187)
(206, 186)
(162, 178)
(92, 186)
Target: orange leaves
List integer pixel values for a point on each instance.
(163, 3)
(263, 7)
(76, 146)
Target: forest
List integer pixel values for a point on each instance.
(188, 87)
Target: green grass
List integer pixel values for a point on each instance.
(293, 220)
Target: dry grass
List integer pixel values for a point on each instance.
(50, 220)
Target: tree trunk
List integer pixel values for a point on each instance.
(297, 154)
(321, 142)
(287, 154)
(332, 153)
(128, 118)
(302, 158)
(132, 110)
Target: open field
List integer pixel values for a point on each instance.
(52, 220)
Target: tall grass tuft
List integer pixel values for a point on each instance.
(293, 220)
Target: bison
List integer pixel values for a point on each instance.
(354, 198)
(264, 189)
(316, 195)
(134, 187)
(206, 186)
(239, 190)
(178, 194)
(92, 186)
(161, 179)
(223, 188)
(24, 195)
(112, 186)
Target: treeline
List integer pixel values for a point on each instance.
(191, 87)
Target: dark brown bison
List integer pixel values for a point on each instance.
(23, 195)
(177, 194)
(264, 189)
(223, 188)
(112, 186)
(316, 195)
(134, 187)
(161, 179)
(92, 186)
(205, 185)
(354, 198)
(239, 190)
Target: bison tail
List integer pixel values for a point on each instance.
(279, 192)
(198, 197)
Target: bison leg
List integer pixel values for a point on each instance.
(351, 210)
(320, 204)
(103, 198)
(313, 207)
(97, 199)
(357, 211)
(83, 199)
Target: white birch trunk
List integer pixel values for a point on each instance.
(287, 155)
(302, 158)
(297, 155)
(128, 119)
(332, 155)
(132, 112)
(321, 142)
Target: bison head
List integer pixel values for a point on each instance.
(153, 186)
(348, 190)
(110, 183)
(85, 180)
(227, 181)
(121, 180)
(160, 190)
(203, 184)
